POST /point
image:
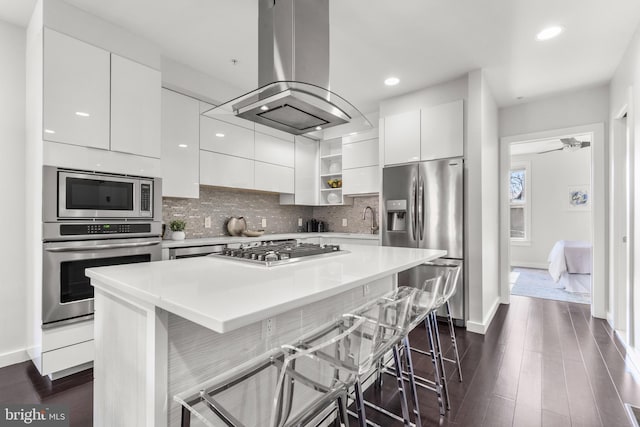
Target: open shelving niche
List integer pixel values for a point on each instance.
(331, 168)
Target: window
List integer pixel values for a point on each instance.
(519, 197)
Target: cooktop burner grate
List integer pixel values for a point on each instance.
(271, 254)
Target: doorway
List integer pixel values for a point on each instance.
(550, 218)
(595, 192)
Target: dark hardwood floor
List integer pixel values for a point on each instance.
(541, 363)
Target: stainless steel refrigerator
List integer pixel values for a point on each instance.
(423, 207)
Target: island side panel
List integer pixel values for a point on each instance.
(197, 354)
(130, 367)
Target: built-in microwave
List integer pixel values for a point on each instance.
(74, 195)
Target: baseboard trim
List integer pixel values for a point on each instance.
(610, 320)
(632, 354)
(13, 357)
(481, 328)
(526, 264)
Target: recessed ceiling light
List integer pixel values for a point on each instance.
(49, 131)
(392, 81)
(82, 114)
(220, 135)
(353, 133)
(318, 127)
(264, 108)
(182, 145)
(549, 33)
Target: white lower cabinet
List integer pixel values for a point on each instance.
(222, 170)
(361, 180)
(276, 178)
(67, 357)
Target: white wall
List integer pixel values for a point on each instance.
(568, 109)
(549, 176)
(482, 204)
(12, 127)
(625, 90)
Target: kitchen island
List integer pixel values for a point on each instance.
(164, 327)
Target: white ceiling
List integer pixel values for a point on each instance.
(423, 42)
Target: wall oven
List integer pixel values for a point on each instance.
(93, 220)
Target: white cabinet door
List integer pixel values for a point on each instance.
(360, 154)
(225, 171)
(361, 180)
(135, 108)
(269, 177)
(76, 92)
(442, 131)
(274, 150)
(307, 173)
(402, 138)
(225, 138)
(180, 145)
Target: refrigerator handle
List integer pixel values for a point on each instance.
(421, 209)
(412, 201)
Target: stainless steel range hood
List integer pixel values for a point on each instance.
(293, 73)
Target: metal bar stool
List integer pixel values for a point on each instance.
(290, 386)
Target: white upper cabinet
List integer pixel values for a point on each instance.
(360, 154)
(402, 138)
(364, 180)
(180, 145)
(271, 149)
(222, 170)
(225, 138)
(306, 174)
(135, 108)
(442, 131)
(276, 178)
(76, 92)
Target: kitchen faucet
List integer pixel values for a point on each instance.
(374, 227)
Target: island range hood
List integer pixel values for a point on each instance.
(293, 73)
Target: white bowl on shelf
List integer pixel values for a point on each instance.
(333, 198)
(334, 167)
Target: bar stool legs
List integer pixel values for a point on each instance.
(452, 332)
(401, 389)
(436, 364)
(412, 382)
(439, 358)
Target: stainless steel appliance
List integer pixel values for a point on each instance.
(293, 73)
(271, 254)
(93, 220)
(195, 251)
(423, 207)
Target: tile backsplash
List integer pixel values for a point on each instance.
(334, 215)
(222, 203)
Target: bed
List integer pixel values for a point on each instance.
(570, 265)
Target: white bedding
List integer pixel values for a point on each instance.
(569, 257)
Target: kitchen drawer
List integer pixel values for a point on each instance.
(63, 336)
(67, 357)
(225, 138)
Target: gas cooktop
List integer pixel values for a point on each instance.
(271, 254)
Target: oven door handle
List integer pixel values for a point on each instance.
(100, 247)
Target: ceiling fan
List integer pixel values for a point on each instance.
(569, 144)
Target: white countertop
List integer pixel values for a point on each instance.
(231, 239)
(224, 295)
